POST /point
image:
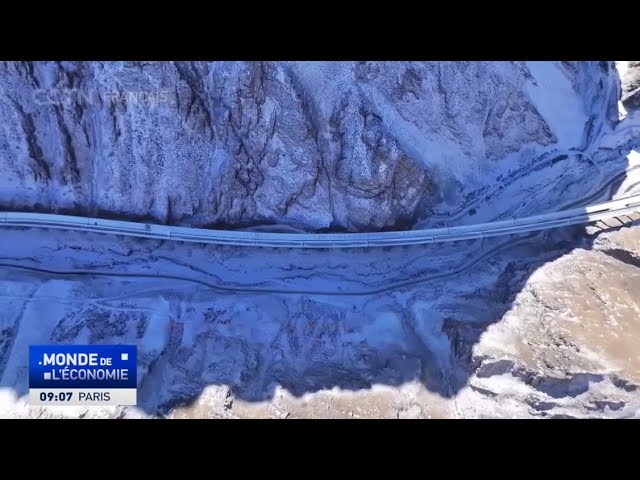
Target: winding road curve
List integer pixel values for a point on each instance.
(391, 286)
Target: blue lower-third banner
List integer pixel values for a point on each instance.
(82, 374)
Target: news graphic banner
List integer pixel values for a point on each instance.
(82, 375)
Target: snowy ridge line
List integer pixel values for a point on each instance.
(575, 216)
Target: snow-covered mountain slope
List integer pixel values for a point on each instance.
(536, 325)
(314, 145)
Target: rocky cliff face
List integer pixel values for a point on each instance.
(314, 145)
(631, 86)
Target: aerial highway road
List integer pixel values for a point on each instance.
(574, 216)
